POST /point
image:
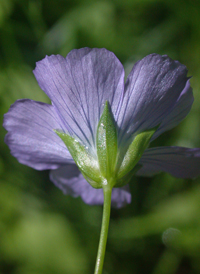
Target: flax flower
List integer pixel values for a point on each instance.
(157, 95)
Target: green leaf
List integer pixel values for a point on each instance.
(84, 160)
(134, 152)
(107, 143)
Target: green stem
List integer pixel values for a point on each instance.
(107, 191)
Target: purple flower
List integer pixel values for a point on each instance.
(157, 94)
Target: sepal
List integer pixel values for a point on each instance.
(86, 163)
(134, 152)
(106, 143)
(111, 167)
(127, 178)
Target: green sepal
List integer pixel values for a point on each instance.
(134, 152)
(106, 142)
(84, 160)
(127, 178)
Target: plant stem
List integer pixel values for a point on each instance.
(107, 191)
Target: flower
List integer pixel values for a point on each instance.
(157, 95)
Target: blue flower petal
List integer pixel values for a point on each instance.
(69, 179)
(79, 85)
(179, 111)
(152, 90)
(31, 138)
(178, 161)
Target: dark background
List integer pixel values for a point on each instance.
(41, 230)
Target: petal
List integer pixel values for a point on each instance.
(121, 196)
(178, 161)
(31, 138)
(69, 179)
(179, 111)
(80, 85)
(152, 89)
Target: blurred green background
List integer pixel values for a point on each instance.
(41, 230)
